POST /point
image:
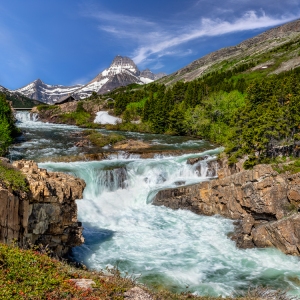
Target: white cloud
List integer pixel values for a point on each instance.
(151, 39)
(207, 27)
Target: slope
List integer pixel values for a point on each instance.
(275, 50)
(18, 100)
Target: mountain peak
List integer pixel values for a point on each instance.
(119, 65)
(38, 81)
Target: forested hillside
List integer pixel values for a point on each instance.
(8, 130)
(247, 112)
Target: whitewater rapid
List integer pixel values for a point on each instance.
(174, 249)
(178, 250)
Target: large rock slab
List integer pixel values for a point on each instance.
(266, 204)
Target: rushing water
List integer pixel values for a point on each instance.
(175, 249)
(44, 140)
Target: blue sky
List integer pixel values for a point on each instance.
(71, 41)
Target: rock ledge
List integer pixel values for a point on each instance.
(46, 214)
(265, 203)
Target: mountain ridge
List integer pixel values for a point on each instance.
(264, 42)
(121, 72)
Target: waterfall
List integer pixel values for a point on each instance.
(26, 116)
(165, 247)
(112, 180)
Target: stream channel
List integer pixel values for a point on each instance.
(177, 250)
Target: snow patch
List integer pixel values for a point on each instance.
(102, 117)
(146, 80)
(94, 86)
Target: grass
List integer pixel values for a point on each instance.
(102, 140)
(80, 118)
(142, 127)
(282, 166)
(136, 105)
(12, 177)
(46, 107)
(29, 274)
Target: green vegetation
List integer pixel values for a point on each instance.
(8, 130)
(20, 101)
(270, 118)
(13, 178)
(292, 167)
(238, 104)
(102, 140)
(80, 117)
(42, 107)
(29, 274)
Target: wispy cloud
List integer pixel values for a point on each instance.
(154, 40)
(206, 27)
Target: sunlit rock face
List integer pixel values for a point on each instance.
(46, 214)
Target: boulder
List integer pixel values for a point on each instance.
(265, 203)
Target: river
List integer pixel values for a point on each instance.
(177, 250)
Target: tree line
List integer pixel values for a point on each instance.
(247, 116)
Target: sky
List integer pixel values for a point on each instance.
(70, 41)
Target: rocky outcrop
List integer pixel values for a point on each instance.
(46, 214)
(265, 203)
(131, 145)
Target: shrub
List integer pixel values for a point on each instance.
(12, 177)
(102, 140)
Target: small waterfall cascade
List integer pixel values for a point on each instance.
(112, 180)
(26, 116)
(160, 245)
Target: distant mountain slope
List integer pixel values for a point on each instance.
(18, 100)
(41, 91)
(121, 72)
(276, 49)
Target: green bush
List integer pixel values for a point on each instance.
(8, 130)
(79, 118)
(42, 107)
(12, 177)
(102, 140)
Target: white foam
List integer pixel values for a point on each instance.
(173, 248)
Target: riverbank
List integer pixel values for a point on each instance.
(42, 277)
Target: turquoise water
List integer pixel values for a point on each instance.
(175, 249)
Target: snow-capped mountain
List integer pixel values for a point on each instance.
(47, 93)
(121, 72)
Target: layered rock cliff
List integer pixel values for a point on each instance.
(46, 214)
(265, 203)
